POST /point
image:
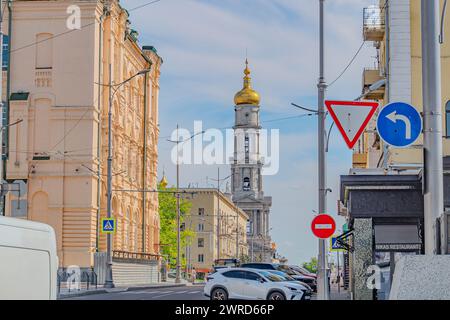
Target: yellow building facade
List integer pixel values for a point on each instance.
(394, 27)
(211, 208)
(57, 154)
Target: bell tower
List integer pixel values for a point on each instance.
(246, 168)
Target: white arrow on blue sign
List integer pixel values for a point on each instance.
(399, 124)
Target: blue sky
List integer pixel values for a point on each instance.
(204, 44)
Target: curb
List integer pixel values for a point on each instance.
(117, 290)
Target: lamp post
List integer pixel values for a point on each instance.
(177, 142)
(113, 88)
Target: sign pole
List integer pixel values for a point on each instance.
(322, 283)
(432, 114)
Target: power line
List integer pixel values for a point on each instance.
(349, 64)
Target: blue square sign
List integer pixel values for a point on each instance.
(108, 225)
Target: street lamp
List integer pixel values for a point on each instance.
(113, 88)
(178, 274)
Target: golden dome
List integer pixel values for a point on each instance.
(163, 181)
(247, 95)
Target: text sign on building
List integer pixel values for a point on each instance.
(108, 225)
(323, 226)
(351, 118)
(399, 124)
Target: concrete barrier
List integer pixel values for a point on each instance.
(421, 277)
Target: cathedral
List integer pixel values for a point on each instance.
(246, 167)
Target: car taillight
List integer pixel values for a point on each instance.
(209, 278)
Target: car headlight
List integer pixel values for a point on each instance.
(292, 288)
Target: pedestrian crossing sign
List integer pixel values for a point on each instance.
(334, 245)
(108, 225)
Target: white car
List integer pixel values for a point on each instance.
(252, 284)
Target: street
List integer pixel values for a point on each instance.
(179, 293)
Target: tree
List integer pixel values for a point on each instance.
(168, 224)
(311, 266)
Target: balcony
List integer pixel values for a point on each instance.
(359, 160)
(373, 24)
(370, 76)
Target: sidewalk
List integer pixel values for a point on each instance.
(64, 293)
(340, 294)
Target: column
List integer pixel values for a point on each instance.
(362, 258)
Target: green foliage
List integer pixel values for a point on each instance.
(168, 225)
(311, 266)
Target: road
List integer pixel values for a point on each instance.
(178, 293)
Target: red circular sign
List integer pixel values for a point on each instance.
(323, 226)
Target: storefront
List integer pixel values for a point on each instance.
(385, 217)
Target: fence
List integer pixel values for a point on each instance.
(75, 280)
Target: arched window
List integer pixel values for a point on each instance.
(246, 184)
(447, 119)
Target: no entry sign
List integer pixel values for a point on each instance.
(323, 226)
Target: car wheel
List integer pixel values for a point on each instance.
(276, 296)
(219, 294)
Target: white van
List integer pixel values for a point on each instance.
(28, 260)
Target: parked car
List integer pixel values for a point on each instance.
(252, 284)
(303, 271)
(310, 281)
(29, 263)
(291, 279)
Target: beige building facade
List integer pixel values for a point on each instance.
(211, 208)
(57, 155)
(394, 28)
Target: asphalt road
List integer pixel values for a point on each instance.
(178, 293)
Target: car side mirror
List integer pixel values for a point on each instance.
(262, 280)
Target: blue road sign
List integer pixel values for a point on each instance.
(399, 124)
(334, 245)
(108, 225)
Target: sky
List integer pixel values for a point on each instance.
(204, 44)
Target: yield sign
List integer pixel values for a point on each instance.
(351, 117)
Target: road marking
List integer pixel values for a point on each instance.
(139, 292)
(192, 292)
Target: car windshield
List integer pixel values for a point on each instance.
(288, 270)
(272, 277)
(283, 275)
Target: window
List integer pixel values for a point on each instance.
(201, 211)
(247, 149)
(246, 184)
(201, 242)
(251, 276)
(201, 227)
(234, 274)
(201, 258)
(447, 119)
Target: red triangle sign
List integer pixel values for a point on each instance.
(351, 117)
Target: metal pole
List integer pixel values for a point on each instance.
(178, 275)
(432, 129)
(218, 213)
(237, 236)
(109, 283)
(338, 274)
(322, 290)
